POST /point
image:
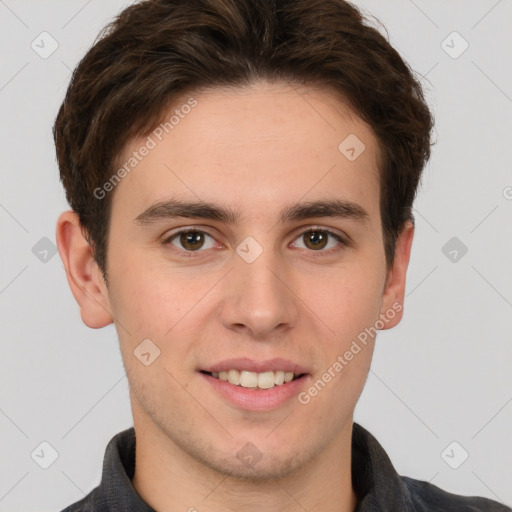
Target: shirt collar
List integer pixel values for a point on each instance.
(116, 491)
(375, 480)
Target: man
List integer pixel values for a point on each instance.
(241, 175)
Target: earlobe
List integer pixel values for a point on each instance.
(394, 292)
(84, 276)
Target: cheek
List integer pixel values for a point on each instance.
(350, 308)
(149, 307)
(163, 305)
(149, 297)
(348, 299)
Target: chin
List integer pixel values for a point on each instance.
(267, 468)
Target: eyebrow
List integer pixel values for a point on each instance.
(174, 208)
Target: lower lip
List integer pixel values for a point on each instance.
(252, 399)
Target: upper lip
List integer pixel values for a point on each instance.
(251, 365)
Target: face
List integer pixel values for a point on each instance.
(254, 283)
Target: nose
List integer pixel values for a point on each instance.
(259, 299)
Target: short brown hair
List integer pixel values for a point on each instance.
(156, 50)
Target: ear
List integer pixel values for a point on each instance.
(394, 290)
(84, 276)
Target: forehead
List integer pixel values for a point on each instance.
(254, 148)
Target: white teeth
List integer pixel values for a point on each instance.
(264, 380)
(249, 380)
(279, 378)
(234, 377)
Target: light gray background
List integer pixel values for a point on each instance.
(442, 375)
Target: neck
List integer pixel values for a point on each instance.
(168, 478)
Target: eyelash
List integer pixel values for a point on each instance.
(320, 253)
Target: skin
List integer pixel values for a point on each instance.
(256, 149)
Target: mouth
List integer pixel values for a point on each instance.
(256, 385)
(255, 380)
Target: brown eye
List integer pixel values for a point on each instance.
(192, 240)
(315, 239)
(189, 240)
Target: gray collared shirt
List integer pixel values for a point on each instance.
(378, 486)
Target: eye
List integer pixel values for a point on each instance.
(317, 239)
(190, 240)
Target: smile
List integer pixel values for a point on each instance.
(254, 380)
